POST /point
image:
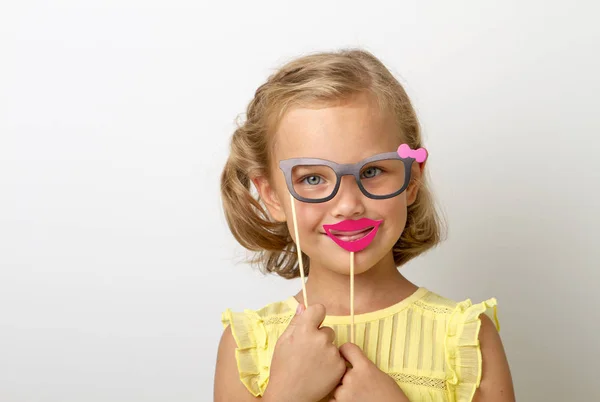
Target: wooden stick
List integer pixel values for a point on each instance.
(352, 296)
(299, 250)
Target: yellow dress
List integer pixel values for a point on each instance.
(428, 344)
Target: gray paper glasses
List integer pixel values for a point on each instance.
(314, 180)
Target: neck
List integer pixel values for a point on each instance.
(378, 287)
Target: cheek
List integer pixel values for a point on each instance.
(394, 212)
(310, 216)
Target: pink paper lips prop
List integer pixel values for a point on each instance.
(353, 235)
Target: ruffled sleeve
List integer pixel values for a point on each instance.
(250, 336)
(463, 354)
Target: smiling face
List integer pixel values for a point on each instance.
(344, 133)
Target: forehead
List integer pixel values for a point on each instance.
(346, 132)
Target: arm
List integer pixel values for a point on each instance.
(228, 387)
(496, 382)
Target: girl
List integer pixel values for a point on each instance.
(332, 146)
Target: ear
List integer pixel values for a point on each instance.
(416, 174)
(268, 195)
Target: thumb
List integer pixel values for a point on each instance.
(299, 312)
(353, 354)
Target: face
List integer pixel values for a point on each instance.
(345, 133)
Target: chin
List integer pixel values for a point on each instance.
(364, 260)
(336, 259)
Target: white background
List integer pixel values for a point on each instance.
(115, 118)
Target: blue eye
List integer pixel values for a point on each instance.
(312, 180)
(371, 172)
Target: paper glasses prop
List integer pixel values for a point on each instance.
(378, 177)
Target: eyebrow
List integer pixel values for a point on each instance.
(390, 155)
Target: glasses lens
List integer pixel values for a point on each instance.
(313, 181)
(383, 177)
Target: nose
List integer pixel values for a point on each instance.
(348, 202)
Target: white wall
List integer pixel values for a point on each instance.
(115, 116)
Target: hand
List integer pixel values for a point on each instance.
(364, 381)
(306, 364)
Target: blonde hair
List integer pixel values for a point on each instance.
(324, 77)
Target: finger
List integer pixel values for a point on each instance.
(296, 318)
(353, 354)
(314, 315)
(344, 379)
(338, 394)
(329, 332)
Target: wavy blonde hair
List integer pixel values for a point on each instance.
(325, 77)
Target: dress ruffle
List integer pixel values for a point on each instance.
(463, 352)
(250, 335)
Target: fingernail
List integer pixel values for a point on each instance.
(299, 309)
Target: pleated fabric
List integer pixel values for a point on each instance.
(427, 343)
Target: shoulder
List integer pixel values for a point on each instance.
(459, 312)
(435, 303)
(278, 312)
